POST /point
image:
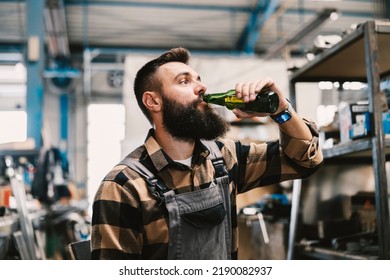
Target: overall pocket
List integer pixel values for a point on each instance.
(206, 218)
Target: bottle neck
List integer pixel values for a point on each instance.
(219, 97)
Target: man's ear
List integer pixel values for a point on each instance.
(152, 100)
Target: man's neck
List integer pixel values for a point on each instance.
(176, 149)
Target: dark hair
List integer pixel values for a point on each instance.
(146, 78)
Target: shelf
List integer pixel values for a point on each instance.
(33, 152)
(346, 60)
(360, 56)
(330, 254)
(361, 148)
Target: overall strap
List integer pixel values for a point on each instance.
(216, 158)
(222, 179)
(155, 186)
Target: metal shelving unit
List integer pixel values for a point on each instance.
(361, 56)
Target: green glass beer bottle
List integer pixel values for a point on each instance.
(266, 101)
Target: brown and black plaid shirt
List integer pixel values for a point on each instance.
(128, 223)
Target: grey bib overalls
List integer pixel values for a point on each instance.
(199, 221)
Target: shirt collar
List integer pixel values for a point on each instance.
(160, 159)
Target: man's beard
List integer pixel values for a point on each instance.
(187, 122)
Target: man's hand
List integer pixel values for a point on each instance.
(248, 91)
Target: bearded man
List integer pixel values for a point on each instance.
(174, 197)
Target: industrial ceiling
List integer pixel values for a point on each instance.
(77, 33)
(257, 27)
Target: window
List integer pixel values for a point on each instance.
(13, 126)
(13, 117)
(106, 130)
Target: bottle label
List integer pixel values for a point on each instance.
(233, 99)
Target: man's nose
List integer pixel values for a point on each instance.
(201, 89)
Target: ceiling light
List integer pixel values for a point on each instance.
(334, 16)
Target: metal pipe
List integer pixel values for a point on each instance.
(296, 197)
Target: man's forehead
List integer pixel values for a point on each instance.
(175, 68)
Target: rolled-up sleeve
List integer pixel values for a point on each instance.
(275, 161)
(305, 153)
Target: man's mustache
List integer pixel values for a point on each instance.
(197, 102)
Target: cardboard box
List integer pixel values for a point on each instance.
(386, 122)
(354, 121)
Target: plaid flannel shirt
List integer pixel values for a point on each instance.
(128, 223)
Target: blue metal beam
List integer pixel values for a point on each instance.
(64, 109)
(160, 5)
(258, 17)
(35, 58)
(250, 28)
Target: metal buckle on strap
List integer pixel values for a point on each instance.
(156, 189)
(219, 167)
